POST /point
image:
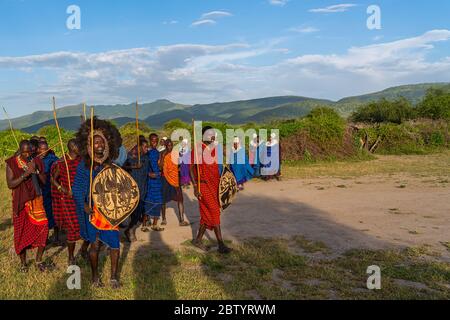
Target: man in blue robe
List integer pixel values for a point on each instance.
(48, 158)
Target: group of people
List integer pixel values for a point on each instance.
(52, 193)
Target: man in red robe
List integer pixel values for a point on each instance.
(64, 209)
(24, 177)
(207, 192)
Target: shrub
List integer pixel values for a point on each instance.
(384, 111)
(325, 126)
(435, 105)
(51, 134)
(8, 145)
(176, 124)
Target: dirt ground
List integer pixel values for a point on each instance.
(373, 212)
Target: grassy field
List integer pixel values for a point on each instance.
(294, 268)
(435, 164)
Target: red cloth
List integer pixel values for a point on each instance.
(26, 233)
(25, 191)
(209, 187)
(64, 209)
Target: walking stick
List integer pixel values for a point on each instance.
(84, 111)
(137, 133)
(11, 127)
(92, 157)
(61, 144)
(196, 157)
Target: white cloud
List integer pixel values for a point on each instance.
(209, 18)
(190, 73)
(216, 14)
(171, 22)
(304, 29)
(335, 8)
(203, 22)
(278, 2)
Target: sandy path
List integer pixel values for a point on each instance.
(367, 212)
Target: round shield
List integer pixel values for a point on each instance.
(115, 194)
(228, 188)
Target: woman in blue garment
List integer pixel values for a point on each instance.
(255, 155)
(270, 159)
(240, 164)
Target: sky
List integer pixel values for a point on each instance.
(203, 51)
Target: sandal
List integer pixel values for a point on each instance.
(223, 249)
(144, 229)
(200, 245)
(97, 283)
(158, 229)
(115, 284)
(184, 224)
(45, 266)
(23, 268)
(164, 223)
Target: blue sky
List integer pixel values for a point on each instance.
(200, 51)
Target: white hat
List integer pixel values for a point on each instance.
(255, 136)
(236, 140)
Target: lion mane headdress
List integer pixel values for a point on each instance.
(109, 134)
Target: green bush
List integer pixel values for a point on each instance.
(384, 111)
(325, 126)
(435, 105)
(129, 129)
(8, 145)
(288, 127)
(51, 134)
(176, 124)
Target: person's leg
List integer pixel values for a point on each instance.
(198, 240)
(155, 226)
(115, 254)
(93, 257)
(23, 261)
(222, 247)
(56, 234)
(39, 254)
(84, 250)
(71, 250)
(163, 215)
(42, 266)
(130, 232)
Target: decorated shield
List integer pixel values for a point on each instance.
(228, 188)
(115, 194)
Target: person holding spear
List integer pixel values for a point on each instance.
(206, 178)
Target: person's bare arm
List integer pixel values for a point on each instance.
(194, 181)
(42, 175)
(14, 183)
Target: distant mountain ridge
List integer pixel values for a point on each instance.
(159, 112)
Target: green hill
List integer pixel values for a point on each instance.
(235, 112)
(103, 111)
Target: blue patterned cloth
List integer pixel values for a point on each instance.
(141, 177)
(48, 161)
(270, 160)
(80, 190)
(154, 199)
(241, 167)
